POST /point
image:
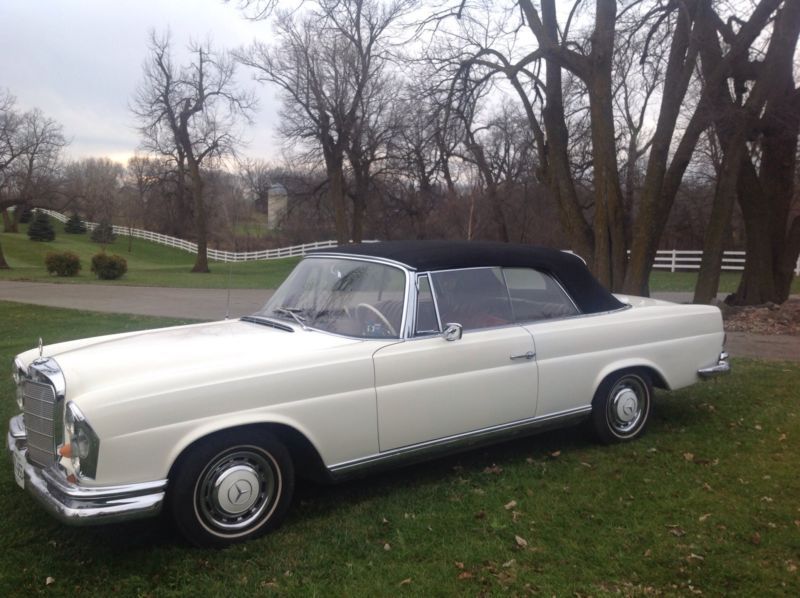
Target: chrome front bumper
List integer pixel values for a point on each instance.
(723, 366)
(80, 505)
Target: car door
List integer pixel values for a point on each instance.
(429, 388)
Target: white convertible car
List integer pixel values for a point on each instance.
(367, 356)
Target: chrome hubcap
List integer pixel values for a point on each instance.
(238, 491)
(629, 402)
(626, 405)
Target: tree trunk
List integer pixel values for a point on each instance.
(724, 199)
(201, 220)
(656, 199)
(3, 263)
(559, 177)
(610, 246)
(6, 222)
(336, 193)
(359, 207)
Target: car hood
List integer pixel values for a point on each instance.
(158, 361)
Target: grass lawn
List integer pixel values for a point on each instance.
(149, 264)
(708, 501)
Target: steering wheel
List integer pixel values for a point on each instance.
(379, 315)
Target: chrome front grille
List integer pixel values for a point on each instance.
(40, 412)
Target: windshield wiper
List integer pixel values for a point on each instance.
(266, 322)
(293, 313)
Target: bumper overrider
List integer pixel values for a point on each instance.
(80, 505)
(722, 366)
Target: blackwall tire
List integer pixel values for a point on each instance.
(231, 487)
(622, 406)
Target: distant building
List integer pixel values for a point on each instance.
(277, 204)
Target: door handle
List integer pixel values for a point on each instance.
(529, 355)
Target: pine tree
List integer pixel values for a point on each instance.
(75, 226)
(40, 228)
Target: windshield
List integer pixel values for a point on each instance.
(349, 297)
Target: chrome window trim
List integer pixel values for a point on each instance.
(413, 331)
(455, 442)
(361, 258)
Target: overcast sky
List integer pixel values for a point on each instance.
(80, 61)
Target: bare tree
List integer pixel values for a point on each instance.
(30, 146)
(756, 115)
(327, 62)
(191, 112)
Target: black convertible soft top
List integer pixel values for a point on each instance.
(428, 256)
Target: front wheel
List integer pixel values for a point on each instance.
(231, 487)
(621, 406)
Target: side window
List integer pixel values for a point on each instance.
(536, 296)
(475, 298)
(426, 321)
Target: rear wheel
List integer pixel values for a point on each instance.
(231, 487)
(621, 406)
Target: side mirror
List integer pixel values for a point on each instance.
(453, 331)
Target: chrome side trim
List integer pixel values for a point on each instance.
(80, 505)
(455, 443)
(722, 366)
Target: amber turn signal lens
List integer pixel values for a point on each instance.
(65, 450)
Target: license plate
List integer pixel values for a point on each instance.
(19, 470)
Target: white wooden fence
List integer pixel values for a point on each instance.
(666, 259)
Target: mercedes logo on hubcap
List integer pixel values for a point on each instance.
(240, 492)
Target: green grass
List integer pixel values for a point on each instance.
(661, 280)
(708, 501)
(149, 264)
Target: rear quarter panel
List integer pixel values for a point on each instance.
(575, 354)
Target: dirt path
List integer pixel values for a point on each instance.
(210, 304)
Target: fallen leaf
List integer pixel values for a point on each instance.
(791, 567)
(405, 582)
(459, 565)
(688, 456)
(465, 575)
(384, 521)
(676, 530)
(782, 437)
(704, 517)
(269, 584)
(757, 427)
(530, 460)
(648, 553)
(521, 542)
(755, 539)
(49, 581)
(510, 505)
(387, 546)
(766, 499)
(495, 469)
(555, 454)
(706, 486)
(510, 563)
(695, 557)
(585, 464)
